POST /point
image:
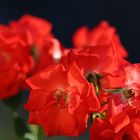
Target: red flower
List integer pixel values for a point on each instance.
(36, 26)
(132, 73)
(95, 60)
(101, 130)
(119, 124)
(123, 114)
(132, 84)
(15, 61)
(46, 54)
(103, 34)
(125, 122)
(45, 49)
(130, 93)
(60, 100)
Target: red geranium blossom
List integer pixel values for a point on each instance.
(132, 73)
(103, 34)
(101, 60)
(36, 26)
(130, 93)
(15, 61)
(46, 50)
(60, 100)
(132, 84)
(120, 124)
(122, 120)
(46, 54)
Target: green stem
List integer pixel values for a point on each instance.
(92, 78)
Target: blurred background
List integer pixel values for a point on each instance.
(66, 16)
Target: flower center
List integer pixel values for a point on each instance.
(129, 93)
(62, 98)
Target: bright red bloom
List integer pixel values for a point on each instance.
(124, 119)
(132, 84)
(103, 34)
(101, 130)
(121, 123)
(36, 26)
(123, 115)
(45, 49)
(132, 73)
(15, 61)
(60, 100)
(131, 90)
(94, 60)
(46, 54)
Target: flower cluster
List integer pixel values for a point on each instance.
(91, 81)
(26, 47)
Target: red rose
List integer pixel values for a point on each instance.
(125, 122)
(45, 49)
(131, 88)
(100, 60)
(132, 84)
(61, 98)
(101, 130)
(36, 26)
(15, 61)
(103, 34)
(123, 115)
(47, 54)
(132, 73)
(120, 123)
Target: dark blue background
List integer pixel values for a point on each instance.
(68, 15)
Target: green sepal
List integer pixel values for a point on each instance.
(33, 135)
(36, 133)
(35, 53)
(94, 79)
(100, 115)
(104, 103)
(115, 91)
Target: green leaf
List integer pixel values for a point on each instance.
(33, 135)
(29, 136)
(41, 134)
(20, 126)
(36, 133)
